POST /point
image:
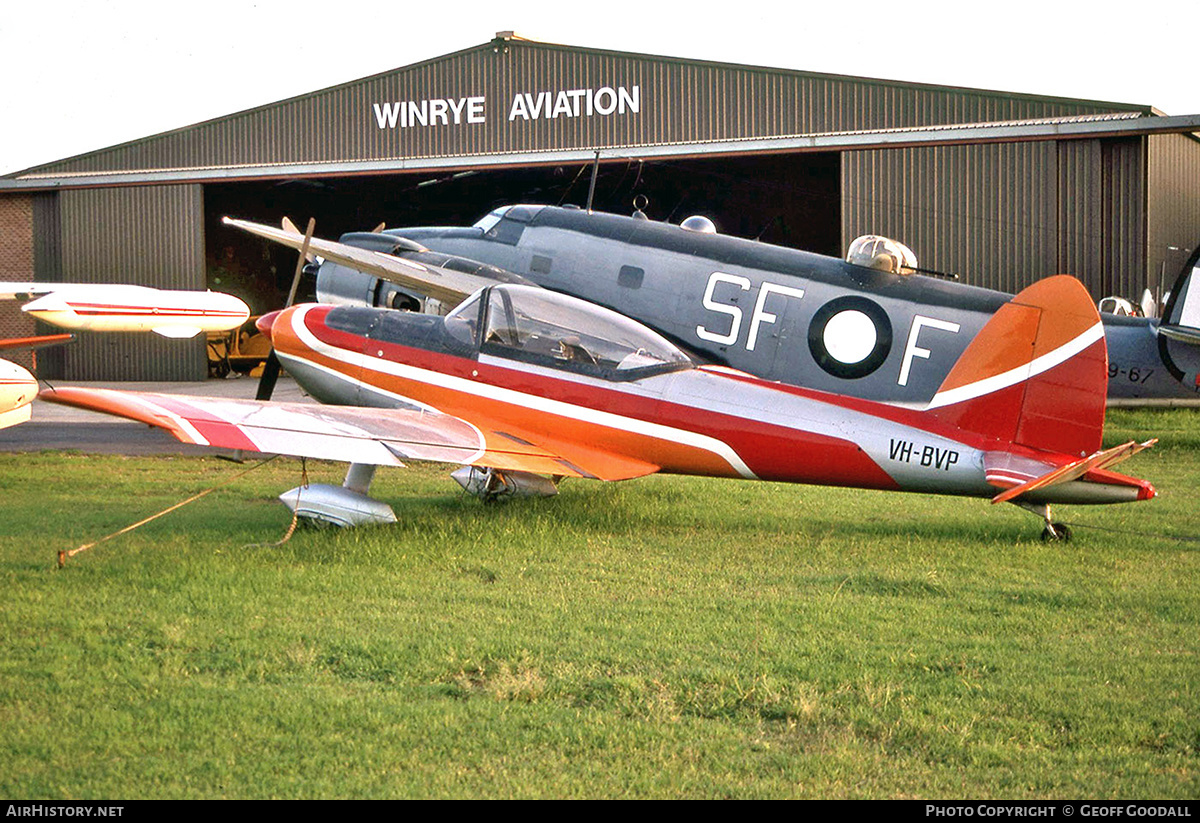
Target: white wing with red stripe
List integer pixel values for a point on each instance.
(381, 437)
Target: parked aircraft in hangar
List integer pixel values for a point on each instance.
(869, 326)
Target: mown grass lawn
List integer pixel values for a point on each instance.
(666, 637)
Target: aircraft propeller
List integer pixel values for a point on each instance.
(270, 373)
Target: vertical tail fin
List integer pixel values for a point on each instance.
(1179, 334)
(1036, 374)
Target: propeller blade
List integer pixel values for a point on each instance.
(304, 257)
(270, 373)
(288, 225)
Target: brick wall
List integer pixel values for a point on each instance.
(16, 263)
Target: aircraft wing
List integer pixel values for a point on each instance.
(447, 285)
(37, 342)
(19, 290)
(381, 437)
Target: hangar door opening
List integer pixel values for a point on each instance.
(789, 200)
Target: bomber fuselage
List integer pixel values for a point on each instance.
(782, 314)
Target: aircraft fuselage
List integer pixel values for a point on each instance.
(684, 420)
(781, 314)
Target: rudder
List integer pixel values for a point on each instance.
(1036, 374)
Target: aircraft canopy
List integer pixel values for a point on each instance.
(536, 325)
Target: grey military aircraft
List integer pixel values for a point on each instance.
(869, 326)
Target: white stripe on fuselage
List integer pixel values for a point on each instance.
(1021, 373)
(528, 401)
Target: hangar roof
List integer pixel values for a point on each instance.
(514, 101)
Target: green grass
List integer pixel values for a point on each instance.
(666, 637)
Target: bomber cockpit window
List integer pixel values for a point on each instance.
(489, 220)
(507, 223)
(540, 326)
(523, 214)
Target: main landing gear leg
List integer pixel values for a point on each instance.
(1053, 531)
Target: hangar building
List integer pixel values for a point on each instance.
(1000, 188)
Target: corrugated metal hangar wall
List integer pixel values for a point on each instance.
(150, 235)
(525, 118)
(1005, 214)
(506, 97)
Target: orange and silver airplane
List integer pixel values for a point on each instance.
(523, 387)
(105, 307)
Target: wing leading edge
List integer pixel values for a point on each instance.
(447, 285)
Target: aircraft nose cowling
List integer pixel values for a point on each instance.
(264, 323)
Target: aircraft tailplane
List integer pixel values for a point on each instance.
(1095, 465)
(1036, 374)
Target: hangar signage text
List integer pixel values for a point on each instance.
(547, 105)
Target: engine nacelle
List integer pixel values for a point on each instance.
(342, 285)
(494, 484)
